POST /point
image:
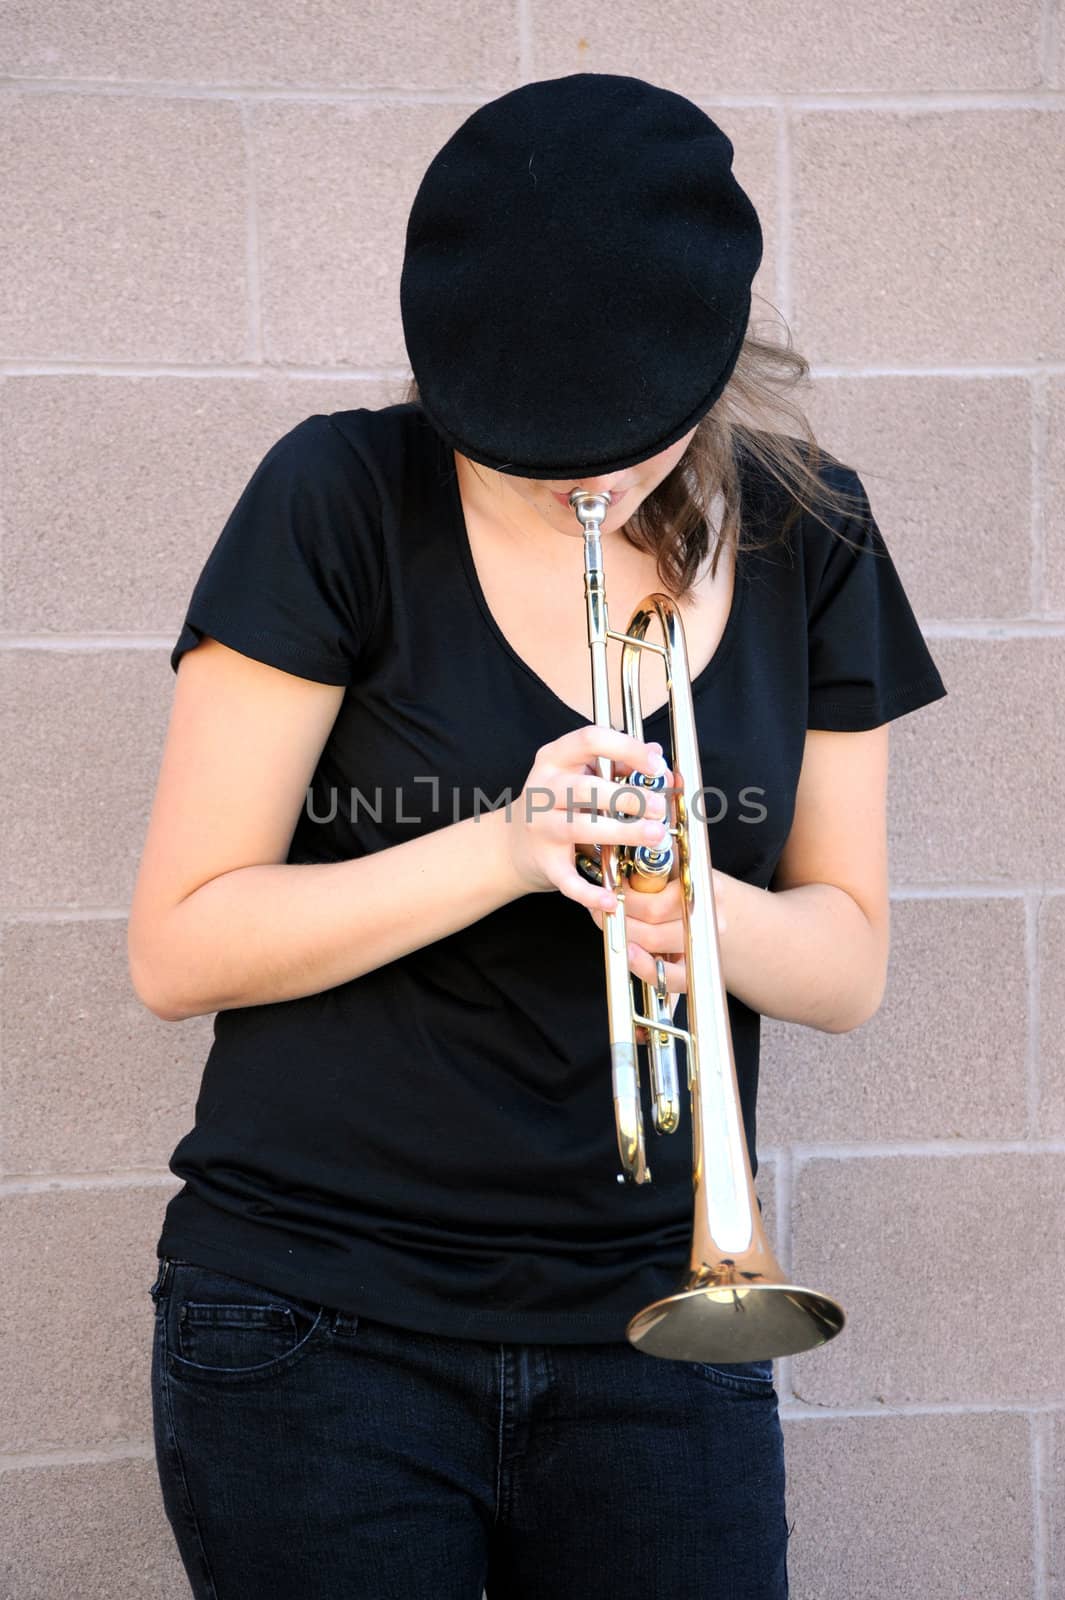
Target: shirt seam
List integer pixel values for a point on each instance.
(928, 679)
(378, 607)
(239, 631)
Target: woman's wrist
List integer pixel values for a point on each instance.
(494, 831)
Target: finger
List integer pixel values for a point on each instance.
(656, 936)
(593, 740)
(644, 966)
(586, 794)
(661, 913)
(586, 827)
(659, 938)
(570, 883)
(657, 909)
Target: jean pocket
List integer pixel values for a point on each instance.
(741, 1377)
(227, 1329)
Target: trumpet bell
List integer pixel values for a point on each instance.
(735, 1322)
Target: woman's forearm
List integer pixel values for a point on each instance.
(807, 954)
(276, 932)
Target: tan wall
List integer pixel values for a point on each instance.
(202, 232)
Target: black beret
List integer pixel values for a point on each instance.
(576, 281)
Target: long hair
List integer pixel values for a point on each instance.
(701, 499)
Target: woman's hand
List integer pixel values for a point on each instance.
(565, 802)
(654, 924)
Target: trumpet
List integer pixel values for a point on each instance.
(734, 1303)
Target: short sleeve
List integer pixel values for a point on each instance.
(868, 660)
(294, 575)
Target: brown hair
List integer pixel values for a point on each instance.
(674, 522)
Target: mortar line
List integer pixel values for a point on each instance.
(1015, 891)
(1048, 43)
(1040, 430)
(976, 628)
(1040, 1428)
(251, 237)
(523, 24)
(246, 371)
(801, 1411)
(784, 1174)
(12, 1185)
(1032, 913)
(14, 1461)
(931, 101)
(1048, 627)
(785, 211)
(944, 1149)
(259, 372)
(307, 94)
(937, 369)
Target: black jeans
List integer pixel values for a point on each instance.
(307, 1454)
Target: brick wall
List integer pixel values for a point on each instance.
(203, 222)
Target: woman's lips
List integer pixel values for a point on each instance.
(614, 497)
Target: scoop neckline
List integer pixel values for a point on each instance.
(698, 683)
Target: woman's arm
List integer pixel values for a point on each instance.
(815, 949)
(220, 919)
(277, 931)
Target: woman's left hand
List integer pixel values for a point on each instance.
(655, 927)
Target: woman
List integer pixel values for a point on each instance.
(390, 1353)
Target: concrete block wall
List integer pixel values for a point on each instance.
(203, 223)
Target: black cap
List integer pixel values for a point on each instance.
(576, 282)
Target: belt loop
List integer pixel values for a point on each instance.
(159, 1288)
(345, 1324)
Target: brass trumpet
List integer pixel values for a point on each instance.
(734, 1303)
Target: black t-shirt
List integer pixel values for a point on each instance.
(433, 1144)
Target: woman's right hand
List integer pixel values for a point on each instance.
(565, 803)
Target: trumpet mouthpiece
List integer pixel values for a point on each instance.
(589, 507)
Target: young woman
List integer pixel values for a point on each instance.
(390, 1353)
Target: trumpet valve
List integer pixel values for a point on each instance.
(650, 868)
